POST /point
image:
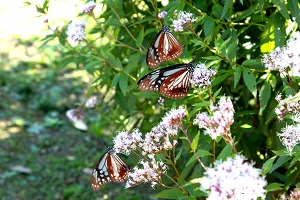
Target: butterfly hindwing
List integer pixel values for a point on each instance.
(110, 167)
(176, 85)
(172, 81)
(164, 47)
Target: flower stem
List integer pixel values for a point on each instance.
(180, 126)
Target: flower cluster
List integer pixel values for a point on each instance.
(126, 142)
(91, 102)
(287, 107)
(183, 18)
(219, 123)
(234, 179)
(162, 14)
(76, 32)
(201, 77)
(174, 117)
(161, 101)
(77, 118)
(161, 137)
(88, 7)
(281, 59)
(150, 171)
(290, 136)
(295, 194)
(158, 139)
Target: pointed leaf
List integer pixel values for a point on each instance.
(195, 142)
(123, 83)
(171, 194)
(250, 81)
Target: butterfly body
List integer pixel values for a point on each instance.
(171, 82)
(164, 47)
(110, 167)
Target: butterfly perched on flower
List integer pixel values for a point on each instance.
(110, 167)
(164, 47)
(171, 82)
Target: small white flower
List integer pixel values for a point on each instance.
(76, 32)
(162, 14)
(91, 102)
(88, 7)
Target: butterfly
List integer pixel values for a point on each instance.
(110, 167)
(164, 47)
(171, 82)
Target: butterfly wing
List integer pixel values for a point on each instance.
(109, 168)
(118, 169)
(172, 81)
(100, 174)
(152, 57)
(176, 85)
(164, 47)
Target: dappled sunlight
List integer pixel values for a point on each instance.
(7, 131)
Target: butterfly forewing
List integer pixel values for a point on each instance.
(164, 47)
(172, 82)
(110, 167)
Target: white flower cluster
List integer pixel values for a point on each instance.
(219, 123)
(284, 58)
(234, 179)
(161, 137)
(183, 18)
(76, 32)
(201, 77)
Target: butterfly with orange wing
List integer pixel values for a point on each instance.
(110, 167)
(165, 47)
(171, 82)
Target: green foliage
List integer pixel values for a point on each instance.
(230, 37)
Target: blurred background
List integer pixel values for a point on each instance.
(42, 155)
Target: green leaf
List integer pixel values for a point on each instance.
(178, 155)
(281, 6)
(221, 78)
(209, 26)
(268, 164)
(115, 80)
(232, 45)
(264, 96)
(294, 9)
(253, 64)
(225, 153)
(278, 33)
(116, 62)
(274, 187)
(201, 153)
(123, 83)
(133, 62)
(140, 38)
(195, 142)
(171, 194)
(228, 3)
(281, 160)
(250, 81)
(202, 104)
(250, 11)
(90, 66)
(237, 76)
